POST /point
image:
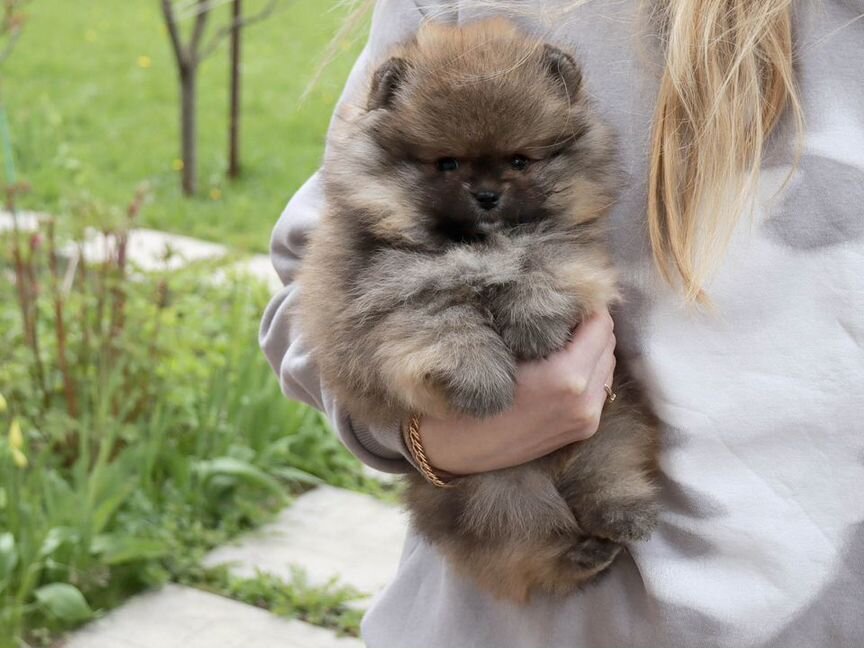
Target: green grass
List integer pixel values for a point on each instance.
(326, 606)
(86, 114)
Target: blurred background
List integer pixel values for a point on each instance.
(140, 426)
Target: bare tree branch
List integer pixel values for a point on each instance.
(225, 31)
(198, 29)
(191, 8)
(184, 8)
(173, 32)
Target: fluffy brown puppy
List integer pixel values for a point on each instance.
(463, 234)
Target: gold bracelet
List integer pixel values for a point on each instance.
(415, 446)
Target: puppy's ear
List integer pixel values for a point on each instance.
(386, 82)
(563, 69)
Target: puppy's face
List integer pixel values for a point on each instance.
(463, 196)
(483, 130)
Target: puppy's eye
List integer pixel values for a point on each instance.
(447, 164)
(519, 162)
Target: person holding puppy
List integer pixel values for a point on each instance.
(740, 242)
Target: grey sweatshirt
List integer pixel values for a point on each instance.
(761, 541)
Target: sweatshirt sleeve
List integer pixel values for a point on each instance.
(280, 338)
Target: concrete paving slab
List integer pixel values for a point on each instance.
(149, 250)
(329, 532)
(181, 617)
(257, 267)
(27, 221)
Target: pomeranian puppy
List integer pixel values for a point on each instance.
(463, 234)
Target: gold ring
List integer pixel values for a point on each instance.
(610, 394)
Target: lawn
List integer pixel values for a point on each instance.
(92, 99)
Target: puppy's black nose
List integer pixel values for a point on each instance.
(487, 199)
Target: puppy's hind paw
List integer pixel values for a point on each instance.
(624, 522)
(591, 555)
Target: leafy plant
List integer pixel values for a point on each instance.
(140, 425)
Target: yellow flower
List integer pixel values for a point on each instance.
(16, 439)
(3, 406)
(16, 442)
(19, 458)
(144, 62)
(216, 193)
(177, 165)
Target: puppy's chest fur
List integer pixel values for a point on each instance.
(503, 274)
(471, 273)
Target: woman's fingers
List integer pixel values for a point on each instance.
(579, 359)
(587, 410)
(604, 371)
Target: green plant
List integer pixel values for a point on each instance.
(326, 605)
(141, 425)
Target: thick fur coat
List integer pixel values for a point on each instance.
(463, 233)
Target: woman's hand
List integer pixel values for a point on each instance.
(558, 401)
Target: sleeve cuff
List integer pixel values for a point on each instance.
(380, 447)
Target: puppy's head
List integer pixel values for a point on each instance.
(475, 129)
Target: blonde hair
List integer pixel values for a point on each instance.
(727, 79)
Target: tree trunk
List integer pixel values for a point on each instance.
(234, 113)
(188, 127)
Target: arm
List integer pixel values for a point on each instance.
(280, 339)
(286, 348)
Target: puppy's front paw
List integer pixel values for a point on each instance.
(535, 317)
(534, 339)
(480, 386)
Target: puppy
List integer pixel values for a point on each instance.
(463, 233)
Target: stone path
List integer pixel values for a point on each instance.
(150, 250)
(258, 267)
(180, 617)
(28, 221)
(328, 532)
